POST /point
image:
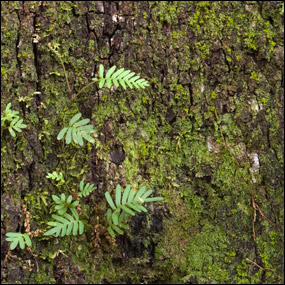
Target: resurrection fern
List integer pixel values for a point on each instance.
(85, 190)
(65, 225)
(125, 205)
(64, 203)
(77, 130)
(122, 76)
(56, 176)
(16, 124)
(18, 238)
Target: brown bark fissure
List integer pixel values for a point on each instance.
(17, 48)
(36, 63)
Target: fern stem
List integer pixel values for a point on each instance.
(65, 74)
(81, 90)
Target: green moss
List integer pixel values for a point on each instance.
(204, 71)
(43, 277)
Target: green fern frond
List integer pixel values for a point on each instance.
(125, 205)
(56, 176)
(16, 124)
(122, 76)
(18, 238)
(77, 131)
(65, 225)
(85, 190)
(64, 203)
(9, 114)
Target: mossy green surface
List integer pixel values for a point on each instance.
(207, 132)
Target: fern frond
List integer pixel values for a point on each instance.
(77, 131)
(85, 190)
(56, 176)
(18, 238)
(125, 205)
(9, 114)
(64, 203)
(65, 225)
(122, 76)
(16, 124)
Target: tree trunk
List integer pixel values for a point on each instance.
(207, 135)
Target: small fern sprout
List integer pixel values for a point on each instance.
(18, 238)
(16, 124)
(56, 176)
(85, 190)
(77, 131)
(64, 203)
(9, 114)
(64, 223)
(125, 205)
(122, 76)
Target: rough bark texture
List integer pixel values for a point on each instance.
(206, 135)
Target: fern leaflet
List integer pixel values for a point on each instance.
(18, 238)
(64, 203)
(16, 124)
(65, 225)
(122, 76)
(85, 190)
(77, 131)
(56, 176)
(125, 205)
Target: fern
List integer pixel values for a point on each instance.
(16, 124)
(18, 238)
(64, 203)
(65, 225)
(76, 131)
(126, 205)
(122, 76)
(85, 190)
(56, 176)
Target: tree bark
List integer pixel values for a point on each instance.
(207, 135)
